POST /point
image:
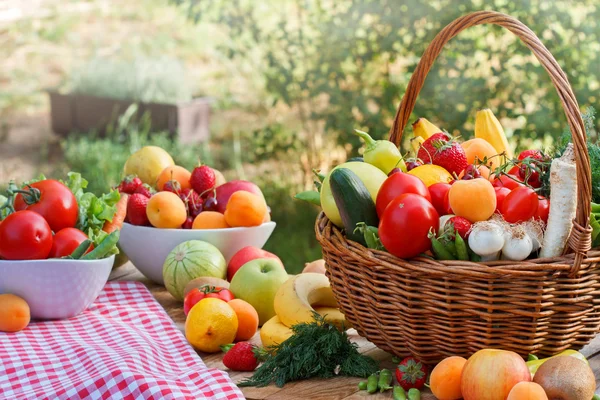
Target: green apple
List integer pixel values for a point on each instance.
(257, 282)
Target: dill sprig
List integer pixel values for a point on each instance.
(315, 350)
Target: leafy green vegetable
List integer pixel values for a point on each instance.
(316, 349)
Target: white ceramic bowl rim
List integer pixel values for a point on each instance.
(55, 260)
(236, 229)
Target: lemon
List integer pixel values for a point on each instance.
(210, 324)
(147, 163)
(431, 174)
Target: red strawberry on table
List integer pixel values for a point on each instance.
(136, 209)
(203, 179)
(411, 373)
(242, 356)
(129, 184)
(440, 149)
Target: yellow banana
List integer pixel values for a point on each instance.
(416, 143)
(423, 128)
(488, 127)
(295, 299)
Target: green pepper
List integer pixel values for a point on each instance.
(414, 394)
(372, 383)
(385, 379)
(362, 385)
(399, 393)
(461, 247)
(382, 154)
(310, 196)
(440, 252)
(104, 247)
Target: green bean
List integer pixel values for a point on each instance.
(441, 253)
(372, 383)
(414, 394)
(80, 250)
(385, 379)
(399, 393)
(461, 248)
(451, 247)
(362, 385)
(104, 247)
(475, 257)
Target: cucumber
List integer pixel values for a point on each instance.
(353, 202)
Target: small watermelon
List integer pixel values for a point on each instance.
(190, 260)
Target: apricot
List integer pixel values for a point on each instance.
(209, 220)
(473, 199)
(245, 209)
(527, 390)
(166, 210)
(480, 149)
(444, 380)
(247, 319)
(174, 173)
(14, 313)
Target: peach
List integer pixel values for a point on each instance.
(444, 380)
(527, 390)
(473, 199)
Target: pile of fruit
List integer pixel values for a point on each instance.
(165, 195)
(453, 201)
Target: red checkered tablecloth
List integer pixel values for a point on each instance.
(123, 347)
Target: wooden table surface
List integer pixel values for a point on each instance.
(335, 388)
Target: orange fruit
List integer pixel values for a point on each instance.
(166, 210)
(210, 324)
(174, 173)
(14, 313)
(527, 390)
(474, 199)
(245, 209)
(444, 380)
(209, 220)
(247, 319)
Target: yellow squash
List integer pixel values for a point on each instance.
(488, 127)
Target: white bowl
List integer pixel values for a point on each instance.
(148, 247)
(55, 288)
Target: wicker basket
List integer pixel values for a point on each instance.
(434, 309)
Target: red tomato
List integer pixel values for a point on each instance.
(501, 193)
(519, 205)
(197, 294)
(53, 201)
(447, 209)
(66, 241)
(405, 224)
(25, 235)
(505, 181)
(514, 170)
(543, 209)
(397, 184)
(439, 192)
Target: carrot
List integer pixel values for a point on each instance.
(563, 204)
(119, 217)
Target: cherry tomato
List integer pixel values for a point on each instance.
(405, 224)
(514, 170)
(519, 205)
(397, 184)
(543, 209)
(501, 193)
(439, 192)
(66, 241)
(25, 235)
(505, 181)
(447, 209)
(53, 201)
(206, 291)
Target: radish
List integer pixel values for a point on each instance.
(563, 204)
(486, 238)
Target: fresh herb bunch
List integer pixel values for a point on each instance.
(315, 350)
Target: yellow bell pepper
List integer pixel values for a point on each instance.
(533, 365)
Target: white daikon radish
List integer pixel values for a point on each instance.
(486, 238)
(563, 203)
(517, 244)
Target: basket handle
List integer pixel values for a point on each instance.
(580, 238)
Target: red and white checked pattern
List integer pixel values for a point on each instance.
(123, 347)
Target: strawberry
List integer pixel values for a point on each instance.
(440, 149)
(129, 184)
(192, 201)
(136, 209)
(411, 373)
(172, 186)
(460, 224)
(242, 356)
(145, 189)
(203, 179)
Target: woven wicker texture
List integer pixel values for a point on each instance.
(434, 309)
